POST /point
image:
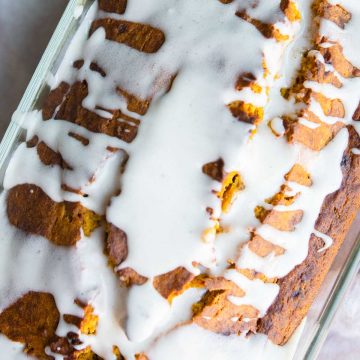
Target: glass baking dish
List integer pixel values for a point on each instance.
(345, 266)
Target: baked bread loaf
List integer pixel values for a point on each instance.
(183, 182)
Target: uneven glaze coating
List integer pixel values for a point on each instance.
(189, 180)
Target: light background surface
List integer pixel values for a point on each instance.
(25, 29)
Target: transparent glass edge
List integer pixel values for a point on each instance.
(37, 81)
(343, 282)
(67, 21)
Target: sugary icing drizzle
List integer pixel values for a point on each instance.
(189, 83)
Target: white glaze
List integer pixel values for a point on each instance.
(164, 193)
(319, 164)
(188, 342)
(257, 293)
(328, 241)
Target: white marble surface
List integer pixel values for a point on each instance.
(25, 29)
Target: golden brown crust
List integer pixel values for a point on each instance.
(83, 354)
(115, 6)
(141, 37)
(334, 55)
(217, 313)
(298, 175)
(267, 30)
(95, 67)
(31, 210)
(232, 184)
(72, 320)
(73, 338)
(116, 246)
(90, 320)
(281, 197)
(117, 353)
(31, 320)
(86, 324)
(313, 69)
(141, 356)
(32, 142)
(281, 220)
(173, 283)
(70, 109)
(314, 138)
(253, 274)
(290, 10)
(247, 113)
(245, 80)
(299, 288)
(62, 346)
(78, 64)
(50, 157)
(335, 13)
(215, 170)
(135, 104)
(129, 277)
(262, 247)
(79, 138)
(220, 283)
(54, 99)
(356, 115)
(330, 107)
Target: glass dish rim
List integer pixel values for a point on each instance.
(67, 23)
